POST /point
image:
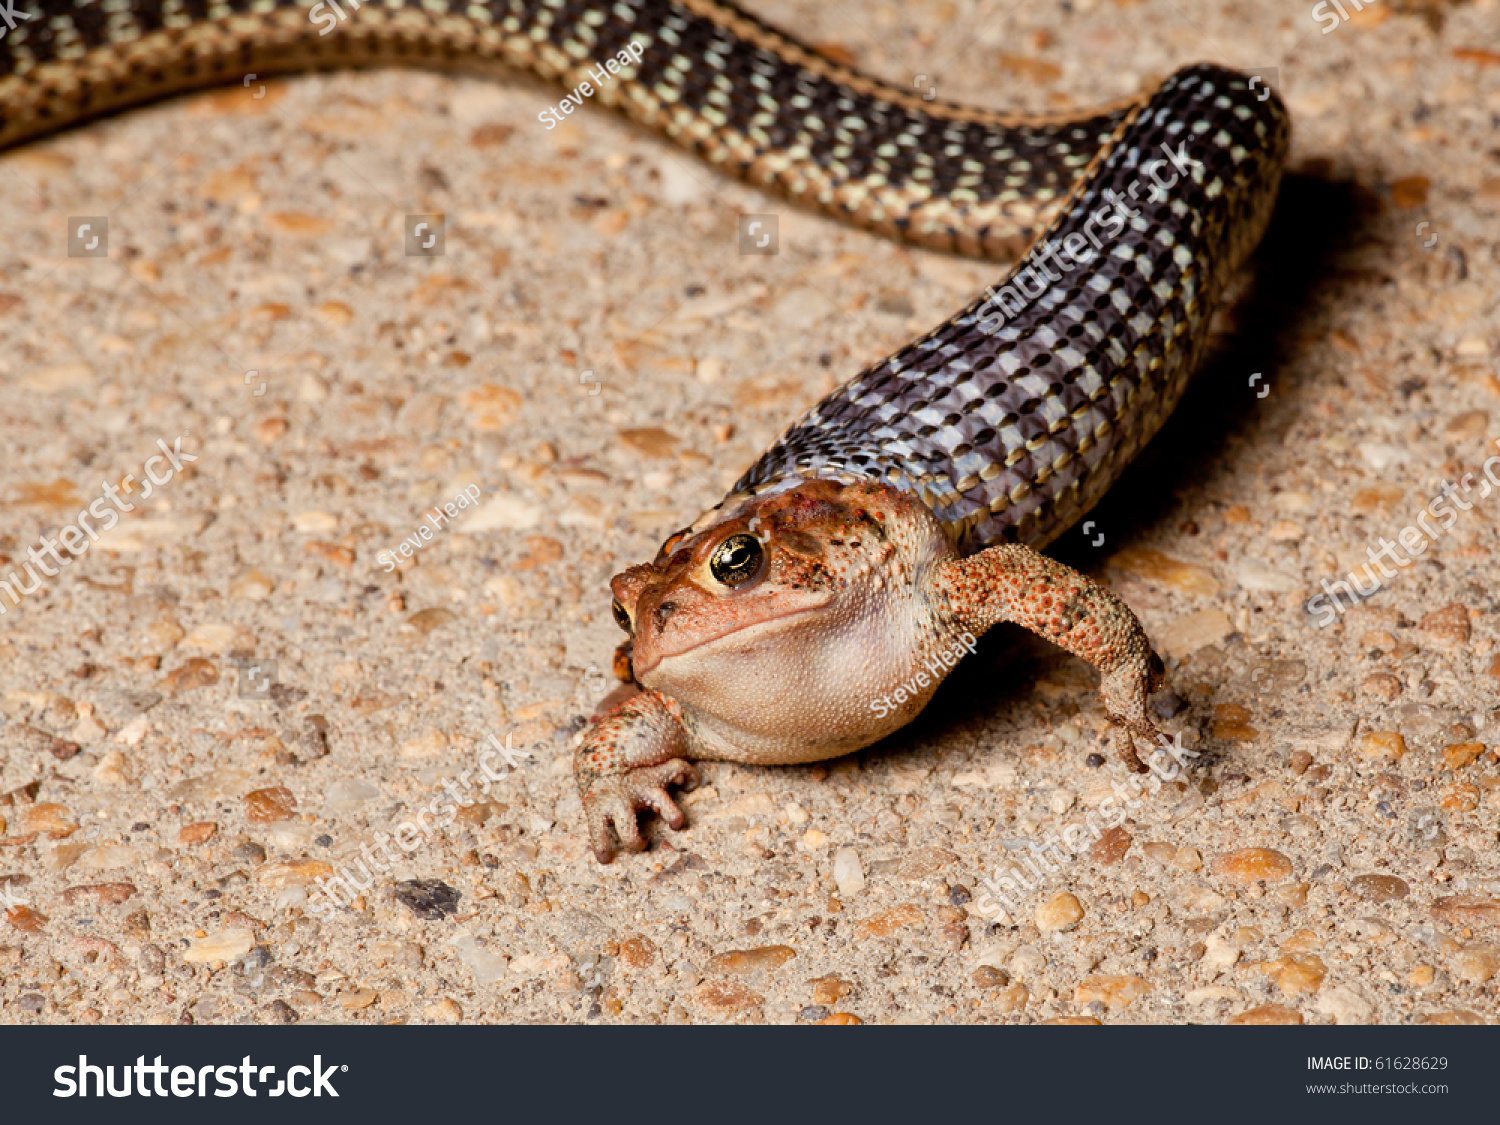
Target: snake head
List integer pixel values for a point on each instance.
(780, 625)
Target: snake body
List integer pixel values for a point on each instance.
(1009, 420)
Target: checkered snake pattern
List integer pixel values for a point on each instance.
(1009, 420)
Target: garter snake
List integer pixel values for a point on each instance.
(1009, 422)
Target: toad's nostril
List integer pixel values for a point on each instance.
(663, 611)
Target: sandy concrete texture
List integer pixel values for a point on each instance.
(234, 694)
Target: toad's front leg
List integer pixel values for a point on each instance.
(1015, 583)
(625, 763)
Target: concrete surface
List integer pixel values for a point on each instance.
(594, 355)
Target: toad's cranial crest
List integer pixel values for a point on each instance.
(809, 622)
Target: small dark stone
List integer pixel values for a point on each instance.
(1319, 872)
(138, 924)
(249, 852)
(211, 894)
(813, 1013)
(140, 826)
(62, 749)
(282, 1012)
(959, 894)
(427, 898)
(258, 958)
(1094, 761)
(324, 841)
(31, 1002)
(1380, 888)
(283, 694)
(313, 743)
(153, 960)
(288, 977)
(1168, 705)
(595, 1011)
(896, 304)
(987, 976)
(489, 861)
(1150, 955)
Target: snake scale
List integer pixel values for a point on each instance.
(905, 509)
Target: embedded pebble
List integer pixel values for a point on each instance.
(886, 924)
(1468, 910)
(198, 833)
(108, 858)
(1061, 912)
(1266, 1014)
(346, 794)
(49, 818)
(1379, 888)
(253, 585)
(1111, 847)
(266, 806)
(105, 894)
(195, 673)
(638, 952)
(726, 997)
(427, 898)
(742, 962)
(358, 1000)
(445, 1010)
(1460, 754)
(923, 862)
(1115, 992)
(486, 965)
(1382, 746)
(848, 874)
(293, 873)
(1027, 961)
(1346, 1004)
(1476, 964)
(226, 945)
(1296, 973)
(1252, 865)
(830, 990)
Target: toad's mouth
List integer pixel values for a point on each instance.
(777, 622)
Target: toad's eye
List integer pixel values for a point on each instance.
(622, 617)
(737, 560)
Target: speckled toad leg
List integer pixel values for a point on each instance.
(624, 763)
(1015, 583)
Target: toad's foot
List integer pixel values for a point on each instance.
(625, 763)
